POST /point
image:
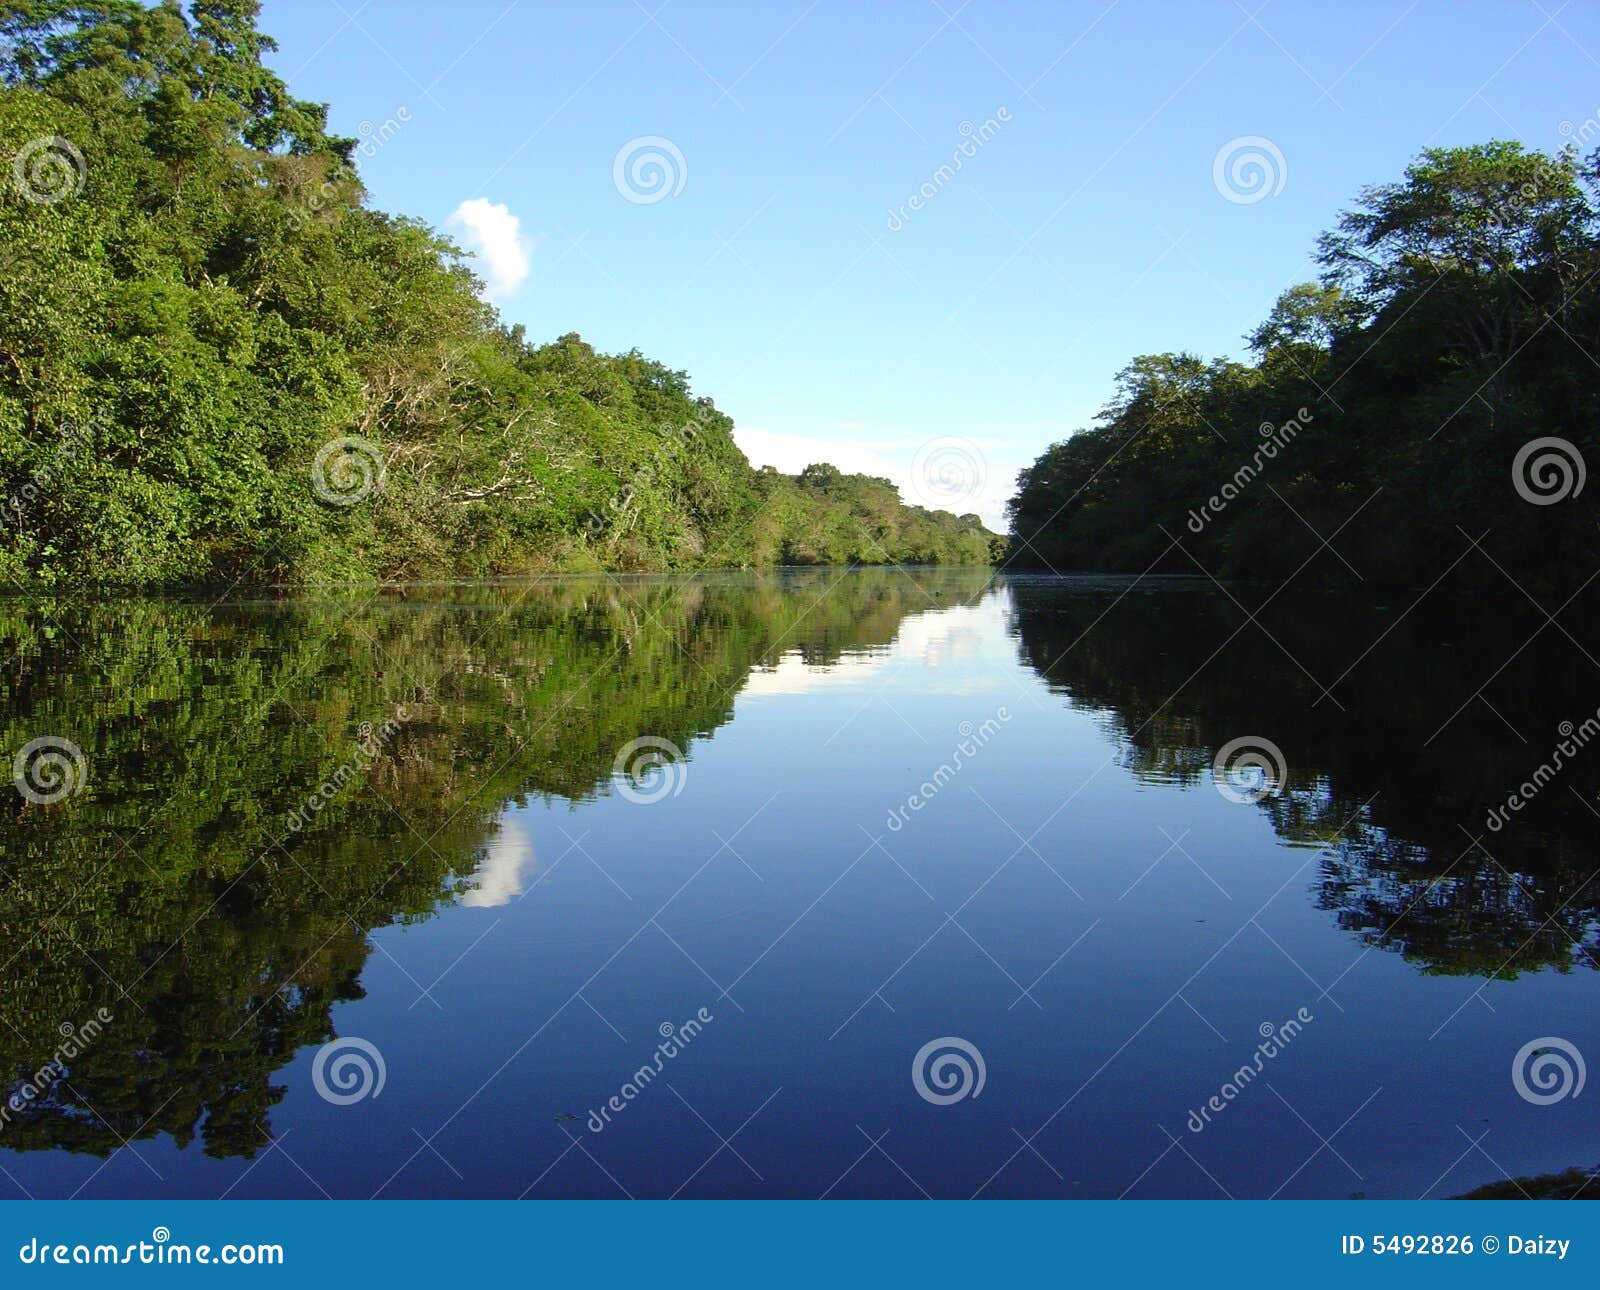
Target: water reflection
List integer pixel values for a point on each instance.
(174, 891)
(508, 864)
(1402, 732)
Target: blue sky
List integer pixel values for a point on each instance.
(1087, 222)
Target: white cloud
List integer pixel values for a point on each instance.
(495, 234)
(953, 639)
(793, 675)
(507, 864)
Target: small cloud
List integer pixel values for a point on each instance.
(507, 865)
(490, 230)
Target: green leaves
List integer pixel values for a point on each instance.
(1452, 327)
(210, 286)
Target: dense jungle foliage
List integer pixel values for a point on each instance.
(219, 364)
(1438, 388)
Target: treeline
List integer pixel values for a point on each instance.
(1439, 386)
(217, 363)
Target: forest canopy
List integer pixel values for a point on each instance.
(219, 364)
(1436, 390)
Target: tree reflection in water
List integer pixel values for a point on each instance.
(1392, 770)
(174, 891)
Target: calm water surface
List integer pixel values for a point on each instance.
(875, 809)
